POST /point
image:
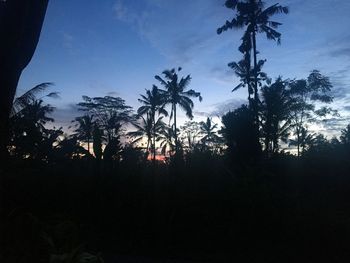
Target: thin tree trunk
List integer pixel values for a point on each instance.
(175, 133)
(298, 142)
(154, 140)
(148, 143)
(256, 96)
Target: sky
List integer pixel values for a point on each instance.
(116, 47)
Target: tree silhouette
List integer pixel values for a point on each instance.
(345, 135)
(110, 113)
(176, 93)
(85, 129)
(153, 103)
(240, 135)
(208, 130)
(190, 132)
(166, 139)
(245, 73)
(29, 96)
(275, 115)
(28, 127)
(304, 93)
(97, 136)
(149, 130)
(255, 18)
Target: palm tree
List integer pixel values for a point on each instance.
(144, 129)
(166, 139)
(28, 126)
(243, 70)
(275, 114)
(176, 94)
(153, 103)
(30, 96)
(85, 128)
(208, 129)
(252, 15)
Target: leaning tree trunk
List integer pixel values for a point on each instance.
(20, 27)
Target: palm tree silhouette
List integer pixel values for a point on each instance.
(208, 129)
(147, 129)
(153, 103)
(30, 96)
(275, 114)
(243, 70)
(85, 128)
(252, 15)
(166, 139)
(176, 94)
(28, 126)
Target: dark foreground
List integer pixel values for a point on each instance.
(286, 211)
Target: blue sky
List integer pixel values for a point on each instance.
(115, 47)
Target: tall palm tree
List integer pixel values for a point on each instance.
(85, 128)
(176, 93)
(253, 15)
(153, 103)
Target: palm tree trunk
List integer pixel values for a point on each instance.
(298, 142)
(154, 140)
(256, 96)
(175, 133)
(147, 147)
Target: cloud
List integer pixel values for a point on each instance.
(228, 105)
(341, 82)
(64, 115)
(180, 30)
(223, 74)
(201, 113)
(340, 52)
(67, 40)
(113, 93)
(120, 11)
(335, 125)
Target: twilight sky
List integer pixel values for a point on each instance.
(115, 47)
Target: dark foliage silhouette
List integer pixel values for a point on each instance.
(255, 18)
(20, 26)
(240, 134)
(153, 103)
(176, 94)
(263, 185)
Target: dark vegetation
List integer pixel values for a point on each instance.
(260, 188)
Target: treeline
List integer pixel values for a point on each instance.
(108, 127)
